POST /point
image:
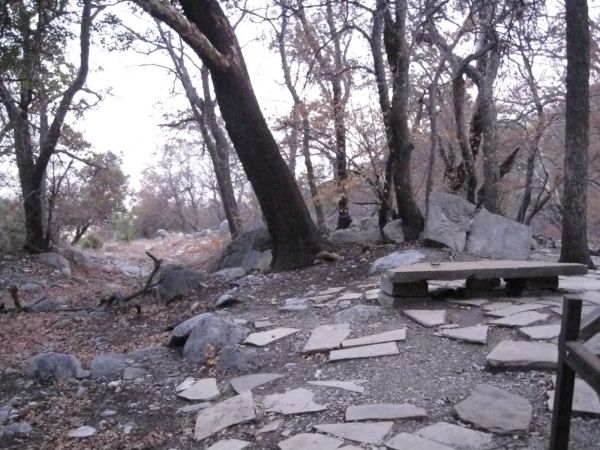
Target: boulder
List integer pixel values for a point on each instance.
(235, 254)
(392, 231)
(107, 366)
(48, 304)
(212, 333)
(4, 243)
(365, 229)
(177, 281)
(55, 260)
(161, 234)
(494, 236)
(396, 259)
(234, 359)
(257, 260)
(55, 365)
(448, 220)
(228, 275)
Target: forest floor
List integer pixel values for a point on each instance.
(431, 372)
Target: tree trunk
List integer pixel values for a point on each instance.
(458, 101)
(574, 227)
(79, 232)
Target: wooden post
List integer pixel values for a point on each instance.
(565, 376)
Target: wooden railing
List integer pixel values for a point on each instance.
(573, 359)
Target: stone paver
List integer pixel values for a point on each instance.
(495, 410)
(248, 382)
(387, 336)
(541, 331)
(270, 427)
(450, 434)
(470, 302)
(384, 411)
(296, 401)
(585, 398)
(229, 412)
(366, 351)
(327, 337)
(406, 441)
(520, 319)
(229, 444)
(350, 296)
(266, 337)
(521, 354)
(310, 441)
(476, 334)
(203, 390)
(427, 317)
(594, 345)
(345, 385)
(513, 309)
(366, 432)
(495, 305)
(185, 384)
(331, 290)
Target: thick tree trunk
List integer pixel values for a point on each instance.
(574, 227)
(295, 237)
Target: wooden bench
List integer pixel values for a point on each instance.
(411, 281)
(573, 359)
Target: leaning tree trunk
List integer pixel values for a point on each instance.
(209, 33)
(574, 228)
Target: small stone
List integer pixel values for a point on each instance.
(406, 441)
(229, 444)
(387, 336)
(108, 413)
(427, 317)
(262, 324)
(541, 331)
(384, 411)
(310, 441)
(366, 351)
(476, 334)
(294, 304)
(345, 385)
(266, 337)
(248, 382)
(327, 337)
(495, 410)
(82, 432)
(524, 355)
(204, 389)
(232, 411)
(127, 429)
(520, 319)
(369, 432)
(296, 401)
(228, 299)
(270, 427)
(450, 434)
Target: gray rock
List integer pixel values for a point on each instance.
(236, 254)
(263, 338)
(161, 234)
(384, 411)
(48, 304)
(30, 287)
(55, 365)
(365, 351)
(228, 299)
(355, 235)
(242, 360)
(386, 336)
(178, 282)
(232, 411)
(257, 260)
(327, 337)
(310, 441)
(107, 366)
(15, 429)
(5, 412)
(541, 331)
(369, 433)
(55, 260)
(228, 275)
(212, 333)
(449, 220)
(427, 317)
(396, 259)
(405, 441)
(294, 304)
(229, 444)
(475, 335)
(248, 382)
(358, 313)
(450, 434)
(520, 354)
(182, 331)
(82, 432)
(495, 410)
(296, 401)
(392, 231)
(133, 373)
(493, 236)
(204, 389)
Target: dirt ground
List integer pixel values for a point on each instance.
(430, 372)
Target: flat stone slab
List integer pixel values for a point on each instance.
(585, 398)
(496, 410)
(387, 336)
(203, 390)
(327, 337)
(229, 412)
(384, 411)
(495, 305)
(539, 355)
(350, 296)
(246, 383)
(310, 441)
(407, 441)
(366, 351)
(368, 433)
(270, 427)
(593, 345)
(262, 323)
(296, 401)
(520, 319)
(541, 331)
(229, 444)
(475, 335)
(482, 270)
(331, 290)
(345, 385)
(427, 317)
(514, 309)
(470, 302)
(266, 337)
(450, 434)
(185, 384)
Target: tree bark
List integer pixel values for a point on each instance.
(574, 221)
